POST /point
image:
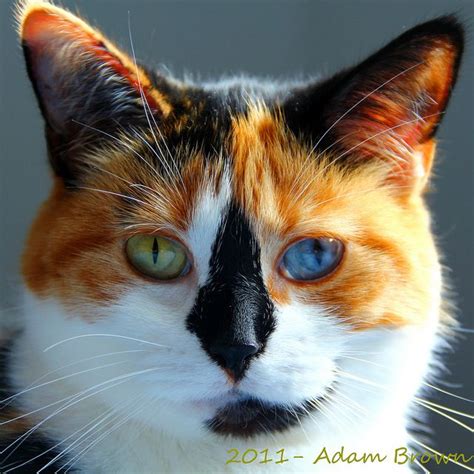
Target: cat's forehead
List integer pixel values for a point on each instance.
(280, 183)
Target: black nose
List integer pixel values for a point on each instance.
(234, 357)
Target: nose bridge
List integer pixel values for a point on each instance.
(238, 320)
(233, 313)
(235, 342)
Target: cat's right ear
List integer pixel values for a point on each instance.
(387, 108)
(82, 81)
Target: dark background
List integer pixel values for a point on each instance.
(277, 39)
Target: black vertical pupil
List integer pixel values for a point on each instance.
(154, 250)
(318, 249)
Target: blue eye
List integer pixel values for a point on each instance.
(310, 259)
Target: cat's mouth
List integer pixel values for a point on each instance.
(251, 416)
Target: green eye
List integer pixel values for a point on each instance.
(157, 257)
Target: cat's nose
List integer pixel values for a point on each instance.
(234, 358)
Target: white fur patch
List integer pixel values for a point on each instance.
(136, 389)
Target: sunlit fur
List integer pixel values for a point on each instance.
(360, 340)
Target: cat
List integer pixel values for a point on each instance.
(230, 275)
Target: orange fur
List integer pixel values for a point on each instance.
(287, 193)
(389, 254)
(69, 256)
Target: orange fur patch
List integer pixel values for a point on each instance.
(69, 256)
(389, 258)
(75, 250)
(390, 255)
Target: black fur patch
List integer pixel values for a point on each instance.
(252, 416)
(306, 109)
(233, 308)
(27, 448)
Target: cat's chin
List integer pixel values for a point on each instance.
(245, 416)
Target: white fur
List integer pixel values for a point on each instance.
(170, 405)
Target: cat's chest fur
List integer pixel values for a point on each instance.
(94, 438)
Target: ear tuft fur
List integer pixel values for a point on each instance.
(389, 106)
(82, 81)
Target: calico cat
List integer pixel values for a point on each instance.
(226, 276)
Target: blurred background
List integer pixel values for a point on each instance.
(270, 39)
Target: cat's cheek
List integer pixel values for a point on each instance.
(300, 358)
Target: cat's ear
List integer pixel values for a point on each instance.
(389, 106)
(82, 81)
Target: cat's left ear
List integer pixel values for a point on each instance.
(389, 106)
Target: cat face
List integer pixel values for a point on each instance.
(253, 248)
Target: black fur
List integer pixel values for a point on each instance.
(313, 108)
(233, 308)
(252, 416)
(201, 115)
(31, 446)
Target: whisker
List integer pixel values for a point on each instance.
(449, 458)
(145, 105)
(343, 407)
(401, 124)
(64, 378)
(448, 393)
(120, 380)
(20, 440)
(126, 145)
(382, 132)
(361, 360)
(425, 403)
(161, 158)
(423, 468)
(53, 447)
(423, 382)
(135, 185)
(351, 402)
(445, 415)
(125, 196)
(52, 346)
(103, 417)
(12, 397)
(101, 437)
(348, 111)
(357, 193)
(442, 407)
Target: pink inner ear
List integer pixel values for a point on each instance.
(395, 122)
(44, 32)
(42, 27)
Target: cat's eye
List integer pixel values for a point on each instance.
(157, 257)
(311, 259)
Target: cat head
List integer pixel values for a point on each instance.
(264, 242)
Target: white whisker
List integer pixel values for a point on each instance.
(102, 335)
(145, 105)
(120, 380)
(126, 145)
(26, 390)
(101, 437)
(125, 196)
(348, 111)
(449, 458)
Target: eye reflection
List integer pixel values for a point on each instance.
(311, 259)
